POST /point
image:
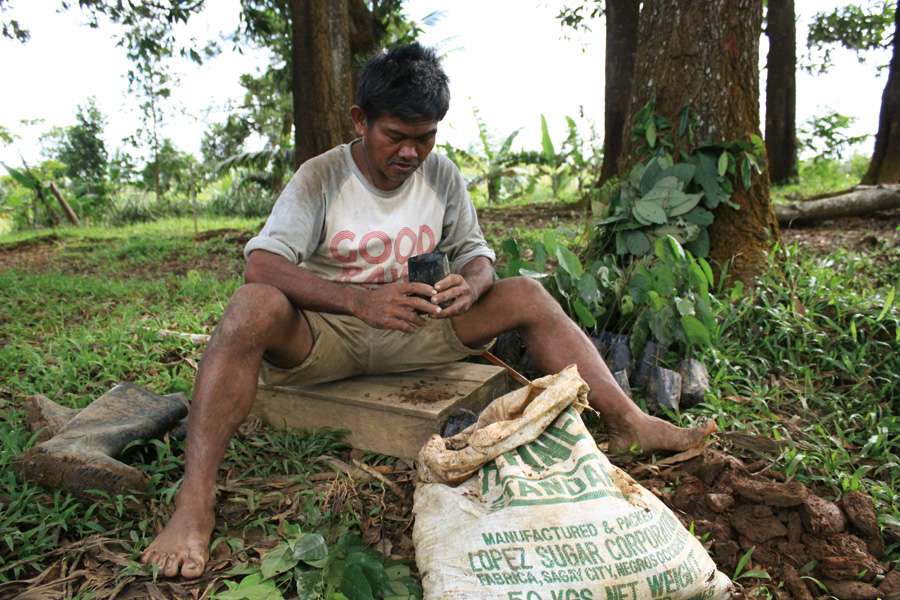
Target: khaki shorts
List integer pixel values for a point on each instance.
(344, 346)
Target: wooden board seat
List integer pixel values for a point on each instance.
(391, 414)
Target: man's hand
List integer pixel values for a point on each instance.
(394, 305)
(455, 289)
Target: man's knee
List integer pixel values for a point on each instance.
(528, 298)
(254, 312)
(529, 291)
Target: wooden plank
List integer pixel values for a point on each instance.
(426, 393)
(391, 414)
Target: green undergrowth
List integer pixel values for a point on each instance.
(810, 358)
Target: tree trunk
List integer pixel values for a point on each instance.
(706, 55)
(885, 164)
(858, 202)
(67, 210)
(621, 44)
(321, 77)
(781, 92)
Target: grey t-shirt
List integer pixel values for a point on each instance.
(332, 221)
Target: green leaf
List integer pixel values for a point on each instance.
(583, 313)
(22, 178)
(636, 243)
(277, 560)
(698, 277)
(669, 250)
(634, 176)
(695, 331)
(745, 173)
(507, 143)
(756, 573)
(649, 212)
(708, 177)
(723, 163)
(707, 270)
(251, 587)
(650, 133)
(546, 142)
(397, 571)
(532, 274)
(587, 288)
(683, 203)
(539, 256)
(684, 306)
(569, 262)
(700, 246)
(550, 242)
(699, 216)
(355, 585)
(683, 171)
(510, 248)
(684, 120)
(650, 176)
(888, 303)
(310, 547)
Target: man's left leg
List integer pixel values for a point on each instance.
(555, 341)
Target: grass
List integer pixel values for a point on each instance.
(810, 357)
(822, 176)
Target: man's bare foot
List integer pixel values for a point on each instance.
(648, 433)
(183, 546)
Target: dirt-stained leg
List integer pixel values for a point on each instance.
(259, 320)
(555, 341)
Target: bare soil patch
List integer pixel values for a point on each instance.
(873, 232)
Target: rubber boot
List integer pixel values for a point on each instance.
(45, 417)
(81, 456)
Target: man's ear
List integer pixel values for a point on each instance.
(360, 123)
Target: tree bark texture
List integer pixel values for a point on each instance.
(861, 201)
(885, 164)
(781, 92)
(621, 44)
(705, 54)
(321, 76)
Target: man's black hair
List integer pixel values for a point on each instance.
(406, 82)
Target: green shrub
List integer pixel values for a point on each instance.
(242, 198)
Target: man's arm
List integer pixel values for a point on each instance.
(390, 306)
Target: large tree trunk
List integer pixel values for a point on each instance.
(706, 55)
(621, 44)
(862, 200)
(781, 92)
(885, 164)
(321, 76)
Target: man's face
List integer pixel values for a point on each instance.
(392, 148)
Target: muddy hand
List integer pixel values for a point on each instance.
(394, 306)
(454, 289)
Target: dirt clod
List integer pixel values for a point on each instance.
(754, 528)
(861, 511)
(719, 502)
(786, 525)
(852, 590)
(770, 493)
(822, 517)
(889, 588)
(795, 585)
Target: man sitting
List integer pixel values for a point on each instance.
(327, 297)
